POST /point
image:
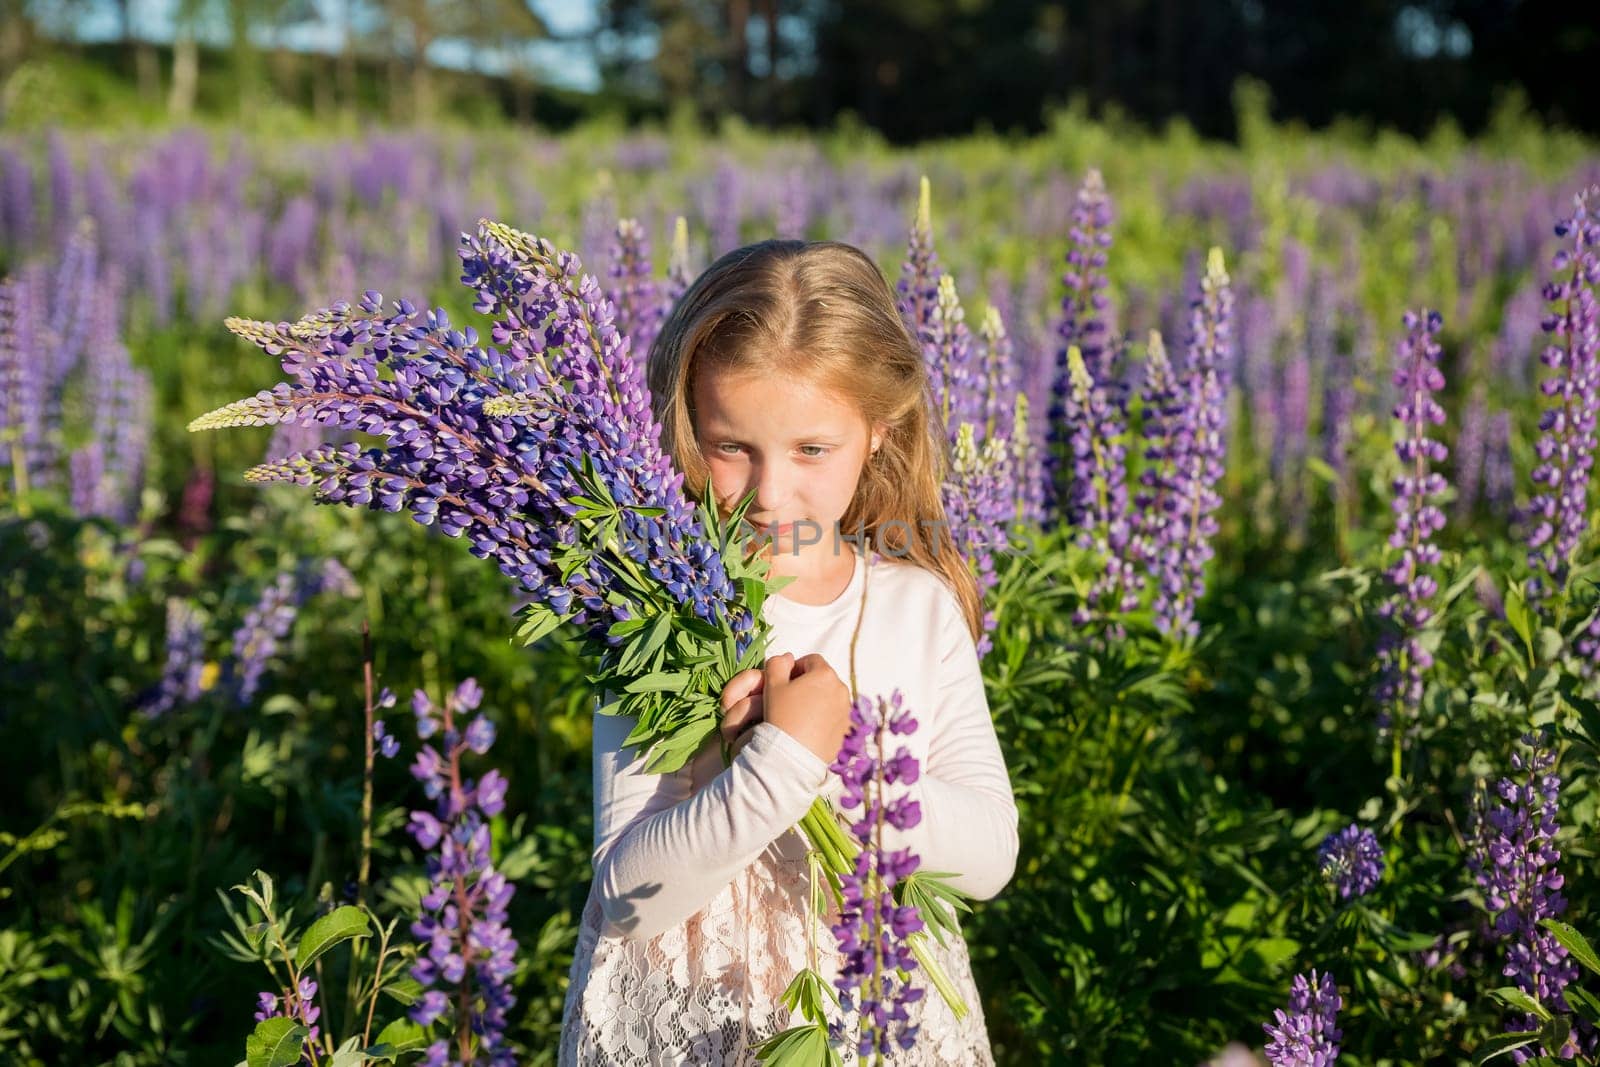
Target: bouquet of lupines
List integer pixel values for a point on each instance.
(542, 452)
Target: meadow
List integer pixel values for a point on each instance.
(1337, 714)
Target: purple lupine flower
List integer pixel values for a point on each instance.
(388, 744)
(999, 376)
(495, 445)
(1351, 860)
(1161, 411)
(723, 213)
(1499, 469)
(63, 187)
(119, 406)
(269, 620)
(872, 929)
(1290, 445)
(632, 291)
(1182, 541)
(1471, 442)
(979, 504)
(256, 640)
(917, 291)
(291, 242)
(956, 379)
(1258, 371)
(1513, 860)
(794, 205)
(1307, 1035)
(1558, 514)
(599, 223)
(181, 675)
(1099, 472)
(466, 952)
(17, 220)
(1402, 655)
(680, 273)
(299, 1004)
(1520, 326)
(1027, 465)
(1083, 326)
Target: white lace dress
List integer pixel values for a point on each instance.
(696, 921)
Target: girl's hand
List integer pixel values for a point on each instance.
(742, 706)
(814, 707)
(808, 701)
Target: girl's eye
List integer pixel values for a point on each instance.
(817, 451)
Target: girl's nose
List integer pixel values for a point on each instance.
(772, 489)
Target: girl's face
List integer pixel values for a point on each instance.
(800, 449)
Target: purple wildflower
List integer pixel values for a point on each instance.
(956, 379)
(1513, 860)
(1471, 442)
(1558, 513)
(495, 445)
(1199, 445)
(181, 676)
(918, 288)
(1162, 413)
(1351, 860)
(467, 954)
(256, 640)
(872, 929)
(1499, 470)
(299, 1004)
(979, 505)
(1307, 1035)
(388, 744)
(1104, 521)
(680, 274)
(1402, 656)
(1077, 430)
(633, 290)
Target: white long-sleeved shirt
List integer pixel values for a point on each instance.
(670, 850)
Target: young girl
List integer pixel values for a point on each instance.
(785, 369)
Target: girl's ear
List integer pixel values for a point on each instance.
(879, 431)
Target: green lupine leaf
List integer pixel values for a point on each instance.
(1513, 997)
(1501, 1044)
(1576, 945)
(1583, 1003)
(539, 621)
(801, 1046)
(275, 1042)
(403, 1035)
(1517, 614)
(404, 989)
(671, 753)
(660, 682)
(340, 924)
(1555, 1032)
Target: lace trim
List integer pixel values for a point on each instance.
(707, 991)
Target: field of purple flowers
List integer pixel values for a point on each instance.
(1274, 464)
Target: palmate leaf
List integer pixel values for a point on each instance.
(935, 899)
(800, 1046)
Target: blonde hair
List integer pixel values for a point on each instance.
(820, 312)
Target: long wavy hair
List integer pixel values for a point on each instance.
(820, 312)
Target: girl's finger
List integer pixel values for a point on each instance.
(744, 714)
(741, 685)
